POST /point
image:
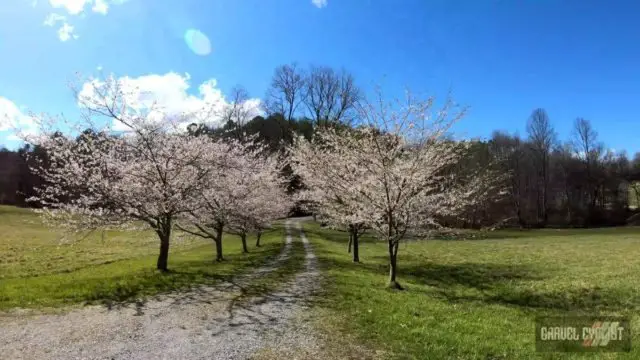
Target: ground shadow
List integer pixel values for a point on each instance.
(578, 300)
(335, 236)
(482, 276)
(501, 284)
(127, 295)
(339, 236)
(253, 302)
(192, 281)
(494, 283)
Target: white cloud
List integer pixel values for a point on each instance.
(66, 32)
(168, 95)
(76, 8)
(101, 7)
(12, 119)
(319, 3)
(53, 18)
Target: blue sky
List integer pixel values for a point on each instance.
(501, 58)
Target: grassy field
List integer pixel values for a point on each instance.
(37, 271)
(477, 299)
(464, 299)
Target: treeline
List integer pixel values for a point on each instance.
(17, 182)
(578, 182)
(573, 182)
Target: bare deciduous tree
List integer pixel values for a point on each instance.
(331, 97)
(585, 141)
(287, 91)
(239, 110)
(589, 149)
(542, 138)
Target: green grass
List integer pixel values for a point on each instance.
(477, 299)
(37, 271)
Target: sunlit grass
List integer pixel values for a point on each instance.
(37, 271)
(477, 299)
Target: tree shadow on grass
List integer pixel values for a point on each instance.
(259, 302)
(481, 276)
(191, 281)
(118, 294)
(501, 284)
(339, 236)
(331, 235)
(577, 300)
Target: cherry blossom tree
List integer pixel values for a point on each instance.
(209, 210)
(274, 203)
(326, 191)
(393, 172)
(133, 169)
(265, 198)
(245, 193)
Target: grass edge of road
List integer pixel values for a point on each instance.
(127, 280)
(457, 291)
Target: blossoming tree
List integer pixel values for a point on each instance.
(245, 193)
(328, 187)
(393, 173)
(264, 197)
(133, 169)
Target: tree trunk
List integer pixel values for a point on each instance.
(520, 219)
(393, 268)
(218, 241)
(243, 237)
(356, 254)
(163, 258)
(350, 241)
(258, 238)
(545, 192)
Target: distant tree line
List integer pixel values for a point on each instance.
(575, 183)
(551, 183)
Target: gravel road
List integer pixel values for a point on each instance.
(204, 323)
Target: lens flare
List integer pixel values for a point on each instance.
(198, 42)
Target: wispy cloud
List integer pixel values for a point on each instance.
(53, 18)
(319, 3)
(75, 8)
(66, 32)
(100, 7)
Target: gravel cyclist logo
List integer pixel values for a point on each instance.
(601, 333)
(583, 334)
